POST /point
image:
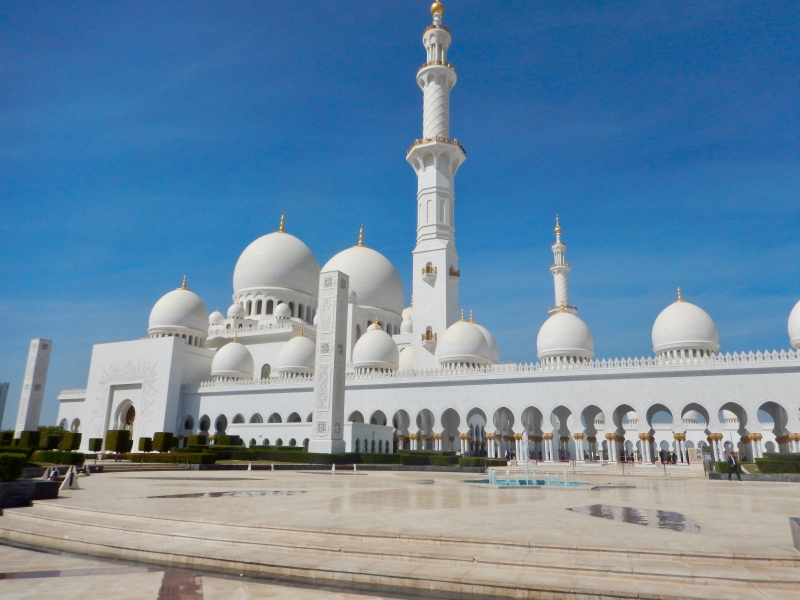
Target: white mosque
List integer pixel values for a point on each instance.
(428, 376)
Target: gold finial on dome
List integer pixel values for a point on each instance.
(301, 334)
(680, 298)
(471, 320)
(462, 314)
(562, 307)
(361, 236)
(437, 8)
(282, 228)
(236, 336)
(183, 285)
(558, 227)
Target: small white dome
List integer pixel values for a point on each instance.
(463, 343)
(494, 351)
(236, 311)
(684, 326)
(693, 415)
(726, 415)
(277, 260)
(233, 360)
(376, 350)
(374, 279)
(297, 356)
(283, 310)
(178, 311)
(407, 358)
(407, 326)
(216, 318)
(564, 335)
(794, 326)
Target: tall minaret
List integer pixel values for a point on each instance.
(435, 159)
(560, 271)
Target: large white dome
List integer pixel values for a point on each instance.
(297, 356)
(494, 351)
(374, 279)
(376, 350)
(564, 335)
(794, 326)
(233, 360)
(463, 343)
(179, 310)
(277, 260)
(684, 326)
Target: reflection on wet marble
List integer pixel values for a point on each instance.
(241, 494)
(663, 519)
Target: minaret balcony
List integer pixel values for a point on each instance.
(442, 140)
(439, 26)
(429, 339)
(567, 308)
(429, 273)
(455, 272)
(438, 63)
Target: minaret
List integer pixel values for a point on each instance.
(560, 271)
(435, 159)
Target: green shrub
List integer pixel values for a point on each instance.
(781, 456)
(443, 461)
(163, 441)
(771, 466)
(200, 458)
(17, 450)
(721, 466)
(472, 461)
(370, 458)
(145, 444)
(50, 442)
(58, 457)
(117, 440)
(70, 441)
(198, 440)
(11, 466)
(29, 438)
(6, 437)
(229, 440)
(427, 452)
(414, 460)
(95, 444)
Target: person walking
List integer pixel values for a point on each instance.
(733, 467)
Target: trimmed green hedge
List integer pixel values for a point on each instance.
(117, 440)
(95, 444)
(721, 466)
(145, 444)
(443, 461)
(770, 465)
(198, 440)
(70, 441)
(427, 452)
(6, 437)
(11, 466)
(58, 457)
(204, 458)
(472, 461)
(373, 458)
(29, 438)
(50, 442)
(17, 450)
(781, 456)
(164, 441)
(416, 461)
(229, 440)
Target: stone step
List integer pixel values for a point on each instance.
(152, 532)
(374, 572)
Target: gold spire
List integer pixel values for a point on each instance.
(558, 227)
(437, 8)
(236, 336)
(361, 236)
(301, 331)
(282, 229)
(680, 298)
(471, 320)
(462, 314)
(183, 285)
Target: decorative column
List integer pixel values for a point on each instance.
(759, 450)
(578, 446)
(327, 431)
(592, 447)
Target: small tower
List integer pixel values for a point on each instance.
(435, 158)
(560, 270)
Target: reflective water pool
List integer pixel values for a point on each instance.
(663, 519)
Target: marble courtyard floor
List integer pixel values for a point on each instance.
(402, 534)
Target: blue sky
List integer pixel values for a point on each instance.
(141, 141)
